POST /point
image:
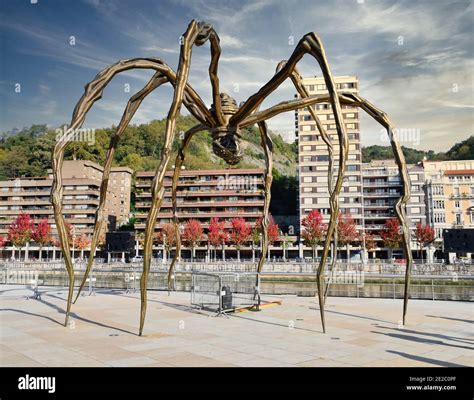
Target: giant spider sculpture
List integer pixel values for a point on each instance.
(224, 121)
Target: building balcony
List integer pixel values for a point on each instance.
(384, 194)
(140, 225)
(204, 214)
(461, 196)
(24, 202)
(192, 193)
(224, 203)
(235, 179)
(374, 226)
(24, 193)
(381, 184)
(384, 205)
(379, 215)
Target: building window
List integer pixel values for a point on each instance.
(323, 158)
(458, 219)
(457, 204)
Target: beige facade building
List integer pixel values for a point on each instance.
(81, 190)
(382, 188)
(450, 194)
(313, 153)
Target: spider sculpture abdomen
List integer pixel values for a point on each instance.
(226, 139)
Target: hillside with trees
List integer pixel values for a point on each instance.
(28, 152)
(460, 151)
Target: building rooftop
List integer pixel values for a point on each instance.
(459, 172)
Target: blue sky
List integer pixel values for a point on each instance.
(413, 58)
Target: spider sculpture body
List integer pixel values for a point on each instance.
(224, 120)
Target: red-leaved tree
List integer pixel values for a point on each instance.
(313, 230)
(239, 233)
(346, 231)
(273, 231)
(217, 235)
(41, 234)
(424, 235)
(19, 231)
(82, 243)
(69, 233)
(2, 244)
(370, 243)
(192, 234)
(391, 234)
(166, 235)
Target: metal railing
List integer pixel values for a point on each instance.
(398, 267)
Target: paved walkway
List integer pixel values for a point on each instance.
(360, 332)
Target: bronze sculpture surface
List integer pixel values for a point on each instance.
(224, 121)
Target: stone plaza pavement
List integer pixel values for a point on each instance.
(360, 332)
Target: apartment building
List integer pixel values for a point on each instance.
(382, 188)
(450, 194)
(81, 191)
(313, 154)
(204, 194)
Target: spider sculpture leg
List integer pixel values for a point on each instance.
(381, 117)
(309, 44)
(267, 145)
(132, 106)
(400, 208)
(93, 92)
(197, 33)
(301, 89)
(157, 188)
(174, 188)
